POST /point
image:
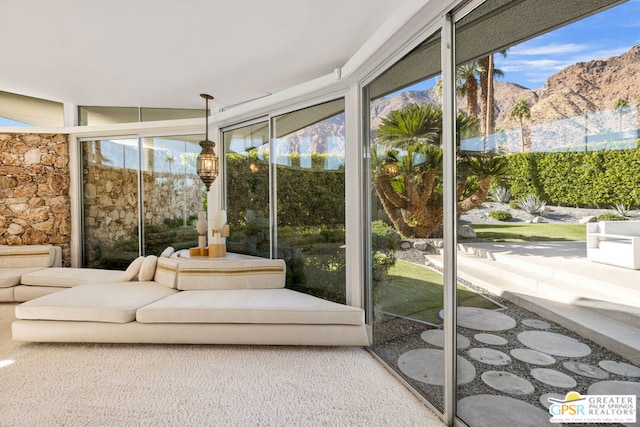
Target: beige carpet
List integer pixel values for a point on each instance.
(145, 385)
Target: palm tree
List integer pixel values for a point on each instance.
(467, 81)
(620, 105)
(466, 85)
(520, 111)
(407, 169)
(486, 92)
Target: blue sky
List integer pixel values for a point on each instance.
(531, 63)
(609, 33)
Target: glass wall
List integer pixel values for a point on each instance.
(130, 210)
(546, 137)
(557, 146)
(286, 199)
(173, 193)
(404, 171)
(246, 168)
(308, 161)
(100, 115)
(110, 202)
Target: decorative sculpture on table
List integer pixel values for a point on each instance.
(201, 228)
(219, 233)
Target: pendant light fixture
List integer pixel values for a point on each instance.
(207, 161)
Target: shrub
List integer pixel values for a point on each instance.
(513, 204)
(622, 209)
(531, 204)
(501, 195)
(594, 178)
(500, 215)
(611, 217)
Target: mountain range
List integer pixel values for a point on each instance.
(582, 88)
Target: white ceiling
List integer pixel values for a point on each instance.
(164, 53)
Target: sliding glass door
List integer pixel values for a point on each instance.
(139, 197)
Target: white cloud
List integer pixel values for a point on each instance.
(550, 49)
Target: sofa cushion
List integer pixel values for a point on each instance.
(148, 268)
(69, 277)
(101, 302)
(26, 256)
(133, 269)
(219, 274)
(275, 306)
(166, 269)
(167, 252)
(11, 276)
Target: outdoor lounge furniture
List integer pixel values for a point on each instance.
(232, 300)
(15, 261)
(615, 243)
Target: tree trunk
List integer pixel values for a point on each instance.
(477, 198)
(472, 96)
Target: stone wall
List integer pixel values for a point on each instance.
(111, 203)
(35, 206)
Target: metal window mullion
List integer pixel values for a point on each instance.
(449, 180)
(273, 190)
(140, 199)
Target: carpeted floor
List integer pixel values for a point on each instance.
(149, 385)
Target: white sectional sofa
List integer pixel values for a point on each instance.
(232, 300)
(614, 243)
(16, 261)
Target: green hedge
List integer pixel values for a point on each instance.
(308, 193)
(595, 179)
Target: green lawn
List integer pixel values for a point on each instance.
(416, 291)
(530, 232)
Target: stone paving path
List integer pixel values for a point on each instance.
(539, 348)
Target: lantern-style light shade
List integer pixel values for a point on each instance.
(207, 161)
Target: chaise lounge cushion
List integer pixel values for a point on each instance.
(101, 302)
(273, 306)
(64, 277)
(10, 277)
(166, 270)
(257, 273)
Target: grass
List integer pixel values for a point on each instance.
(530, 232)
(417, 292)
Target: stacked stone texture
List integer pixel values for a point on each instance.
(34, 191)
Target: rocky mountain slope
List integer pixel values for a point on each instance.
(579, 89)
(582, 88)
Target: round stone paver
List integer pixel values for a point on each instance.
(544, 399)
(482, 319)
(553, 378)
(586, 370)
(491, 339)
(507, 382)
(427, 366)
(532, 356)
(620, 368)
(535, 323)
(490, 410)
(436, 337)
(489, 356)
(615, 387)
(554, 344)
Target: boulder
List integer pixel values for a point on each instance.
(466, 232)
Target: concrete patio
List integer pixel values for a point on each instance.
(555, 280)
